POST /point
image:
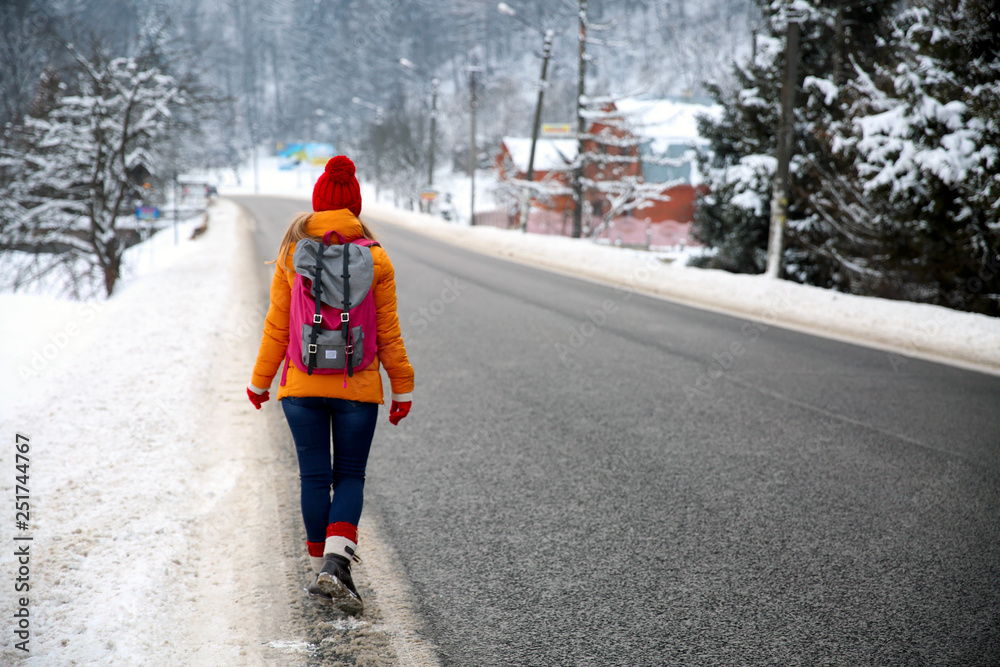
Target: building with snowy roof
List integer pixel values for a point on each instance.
(658, 139)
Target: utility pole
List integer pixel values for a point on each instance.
(176, 212)
(546, 52)
(548, 35)
(779, 197)
(379, 139)
(430, 158)
(580, 125)
(174, 183)
(256, 172)
(473, 102)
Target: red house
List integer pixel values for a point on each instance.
(654, 140)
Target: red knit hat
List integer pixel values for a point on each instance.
(337, 187)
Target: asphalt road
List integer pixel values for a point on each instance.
(593, 477)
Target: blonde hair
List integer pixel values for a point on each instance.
(297, 231)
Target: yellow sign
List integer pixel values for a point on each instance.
(551, 129)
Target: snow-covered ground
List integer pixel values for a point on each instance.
(152, 485)
(142, 446)
(132, 484)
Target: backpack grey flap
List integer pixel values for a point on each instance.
(361, 268)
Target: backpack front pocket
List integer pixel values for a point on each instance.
(331, 348)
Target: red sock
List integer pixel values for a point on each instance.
(315, 554)
(341, 539)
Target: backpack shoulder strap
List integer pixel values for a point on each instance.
(317, 288)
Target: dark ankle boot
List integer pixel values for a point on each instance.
(335, 580)
(315, 592)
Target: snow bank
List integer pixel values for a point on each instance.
(129, 478)
(45, 327)
(901, 328)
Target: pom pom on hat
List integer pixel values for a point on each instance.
(337, 187)
(340, 169)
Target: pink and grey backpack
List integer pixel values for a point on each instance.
(332, 325)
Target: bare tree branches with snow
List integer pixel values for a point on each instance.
(79, 165)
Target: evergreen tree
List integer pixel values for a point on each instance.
(924, 140)
(894, 186)
(734, 216)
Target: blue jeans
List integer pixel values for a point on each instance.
(312, 421)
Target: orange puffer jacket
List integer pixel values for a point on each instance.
(366, 384)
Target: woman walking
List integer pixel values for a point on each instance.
(343, 404)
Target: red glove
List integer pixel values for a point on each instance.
(256, 398)
(398, 411)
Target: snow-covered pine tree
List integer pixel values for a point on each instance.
(923, 133)
(895, 188)
(734, 216)
(835, 237)
(77, 188)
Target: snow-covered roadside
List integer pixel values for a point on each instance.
(148, 476)
(902, 329)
